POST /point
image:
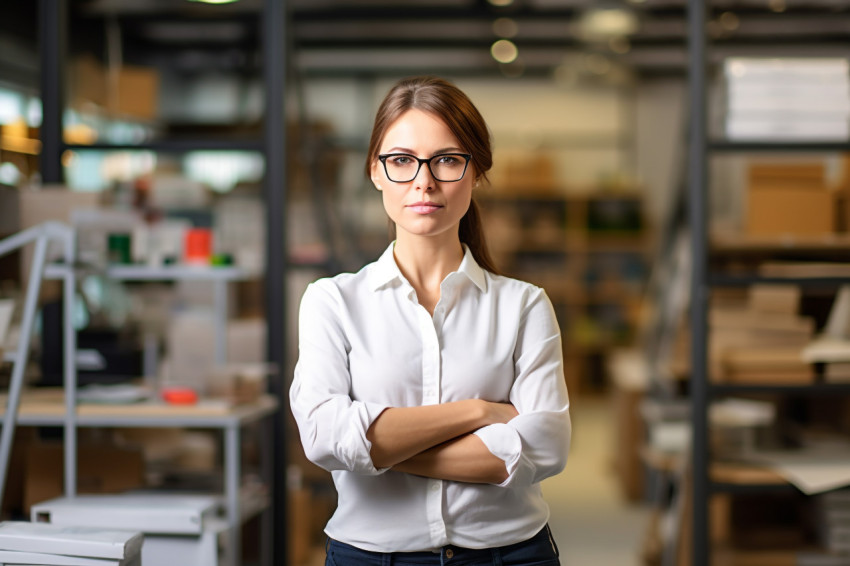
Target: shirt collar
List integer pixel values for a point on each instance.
(385, 270)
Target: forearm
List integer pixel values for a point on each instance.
(400, 433)
(463, 459)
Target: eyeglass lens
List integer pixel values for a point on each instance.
(402, 168)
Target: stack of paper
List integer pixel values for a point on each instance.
(50, 545)
(787, 98)
(747, 346)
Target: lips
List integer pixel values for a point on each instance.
(424, 207)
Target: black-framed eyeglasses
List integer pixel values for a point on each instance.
(444, 167)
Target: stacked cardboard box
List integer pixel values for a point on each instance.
(761, 343)
(789, 199)
(129, 91)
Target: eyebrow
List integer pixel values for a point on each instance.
(438, 152)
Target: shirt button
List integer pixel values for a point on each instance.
(435, 487)
(450, 553)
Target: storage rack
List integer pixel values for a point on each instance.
(272, 23)
(702, 391)
(563, 263)
(51, 412)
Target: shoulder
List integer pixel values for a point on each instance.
(339, 288)
(513, 288)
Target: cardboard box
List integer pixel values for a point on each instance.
(13, 496)
(790, 199)
(132, 92)
(801, 175)
(45, 466)
(53, 202)
(630, 440)
(300, 536)
(790, 211)
(775, 298)
(137, 95)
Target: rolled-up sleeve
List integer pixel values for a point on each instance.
(331, 425)
(534, 445)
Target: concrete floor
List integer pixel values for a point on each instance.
(591, 522)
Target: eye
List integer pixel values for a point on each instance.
(401, 160)
(449, 160)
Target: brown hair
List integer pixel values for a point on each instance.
(450, 104)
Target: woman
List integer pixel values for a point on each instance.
(431, 387)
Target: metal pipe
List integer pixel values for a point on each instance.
(697, 215)
(52, 22)
(275, 33)
(17, 380)
(69, 354)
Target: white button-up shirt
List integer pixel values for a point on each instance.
(366, 344)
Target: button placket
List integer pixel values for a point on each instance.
(431, 396)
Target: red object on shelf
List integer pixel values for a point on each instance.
(179, 396)
(198, 246)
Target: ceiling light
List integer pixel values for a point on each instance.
(505, 27)
(777, 5)
(214, 1)
(504, 51)
(607, 22)
(729, 21)
(501, 2)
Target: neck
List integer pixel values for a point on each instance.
(425, 262)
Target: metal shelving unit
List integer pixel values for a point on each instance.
(702, 390)
(744, 280)
(730, 146)
(175, 146)
(69, 415)
(272, 26)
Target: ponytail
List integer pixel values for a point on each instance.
(471, 233)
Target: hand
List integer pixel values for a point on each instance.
(499, 412)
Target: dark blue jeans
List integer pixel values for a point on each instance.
(539, 550)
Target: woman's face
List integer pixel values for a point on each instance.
(423, 206)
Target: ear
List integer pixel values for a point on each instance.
(375, 174)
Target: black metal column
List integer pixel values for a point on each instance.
(698, 218)
(274, 70)
(52, 24)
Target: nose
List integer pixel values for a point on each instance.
(424, 179)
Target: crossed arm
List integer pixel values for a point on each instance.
(436, 441)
